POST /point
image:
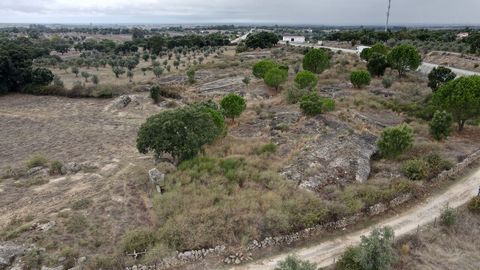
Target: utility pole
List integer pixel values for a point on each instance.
(388, 15)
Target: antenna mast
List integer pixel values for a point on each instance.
(388, 15)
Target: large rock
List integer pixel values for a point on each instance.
(8, 252)
(156, 177)
(71, 167)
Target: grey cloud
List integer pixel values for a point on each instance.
(248, 11)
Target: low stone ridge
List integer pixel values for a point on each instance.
(338, 156)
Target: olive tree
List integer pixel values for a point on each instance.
(460, 98)
(316, 60)
(403, 58)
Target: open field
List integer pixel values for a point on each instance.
(319, 161)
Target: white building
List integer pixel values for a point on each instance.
(294, 39)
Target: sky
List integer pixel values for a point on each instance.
(316, 12)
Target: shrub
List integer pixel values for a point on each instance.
(349, 260)
(306, 80)
(76, 223)
(138, 240)
(294, 94)
(191, 76)
(316, 61)
(105, 263)
(441, 125)
(360, 78)
(474, 205)
(232, 105)
(275, 77)
(395, 140)
(387, 82)
(415, 169)
(448, 217)
(95, 79)
(70, 256)
(375, 252)
(266, 148)
(292, 263)
(37, 161)
(155, 94)
(377, 64)
(261, 68)
(56, 167)
(33, 259)
(42, 76)
(439, 76)
(311, 104)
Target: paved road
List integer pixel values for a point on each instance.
(424, 68)
(325, 253)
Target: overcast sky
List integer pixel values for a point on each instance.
(341, 12)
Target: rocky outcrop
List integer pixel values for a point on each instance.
(337, 155)
(8, 252)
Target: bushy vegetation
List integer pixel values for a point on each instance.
(181, 132)
(212, 201)
(316, 61)
(293, 263)
(262, 67)
(379, 49)
(138, 240)
(155, 94)
(439, 76)
(233, 105)
(474, 205)
(394, 141)
(360, 78)
(441, 125)
(261, 40)
(313, 104)
(275, 77)
(37, 161)
(377, 64)
(294, 94)
(375, 252)
(306, 80)
(460, 98)
(448, 217)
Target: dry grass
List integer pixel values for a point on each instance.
(438, 248)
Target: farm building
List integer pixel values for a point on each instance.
(294, 39)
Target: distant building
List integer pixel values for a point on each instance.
(294, 39)
(463, 35)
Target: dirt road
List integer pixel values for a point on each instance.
(325, 253)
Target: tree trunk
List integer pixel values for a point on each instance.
(461, 125)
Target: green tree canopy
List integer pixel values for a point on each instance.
(232, 105)
(403, 58)
(261, 67)
(378, 48)
(360, 78)
(441, 125)
(42, 76)
(181, 132)
(394, 141)
(316, 60)
(275, 77)
(377, 64)
(439, 76)
(261, 40)
(306, 79)
(461, 98)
